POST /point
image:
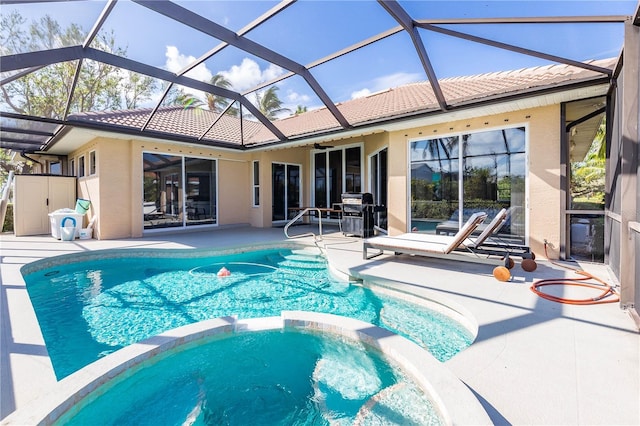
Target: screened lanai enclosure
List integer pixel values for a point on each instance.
(254, 76)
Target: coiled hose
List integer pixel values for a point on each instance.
(607, 293)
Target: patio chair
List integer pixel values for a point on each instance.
(487, 243)
(424, 244)
(458, 247)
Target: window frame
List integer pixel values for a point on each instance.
(255, 171)
(81, 167)
(460, 159)
(93, 164)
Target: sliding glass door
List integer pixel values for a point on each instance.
(285, 181)
(178, 191)
(201, 197)
(378, 182)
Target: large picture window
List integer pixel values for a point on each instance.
(178, 191)
(456, 176)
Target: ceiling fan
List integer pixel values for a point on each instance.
(318, 146)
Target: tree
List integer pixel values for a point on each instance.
(184, 99)
(9, 164)
(45, 92)
(300, 110)
(269, 104)
(588, 175)
(215, 102)
(137, 88)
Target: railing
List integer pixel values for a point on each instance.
(308, 234)
(4, 201)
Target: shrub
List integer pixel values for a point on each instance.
(7, 226)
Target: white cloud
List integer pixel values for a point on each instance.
(248, 74)
(385, 82)
(297, 98)
(395, 80)
(360, 93)
(176, 61)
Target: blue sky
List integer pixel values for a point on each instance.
(312, 29)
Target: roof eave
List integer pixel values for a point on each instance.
(465, 109)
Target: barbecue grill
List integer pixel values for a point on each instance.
(357, 214)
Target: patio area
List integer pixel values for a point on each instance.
(533, 362)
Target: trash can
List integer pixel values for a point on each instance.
(56, 218)
(82, 206)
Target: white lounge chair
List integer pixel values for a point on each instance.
(488, 245)
(424, 244)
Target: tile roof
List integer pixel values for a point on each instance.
(410, 99)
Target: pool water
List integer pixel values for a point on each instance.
(89, 309)
(261, 378)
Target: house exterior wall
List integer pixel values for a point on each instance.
(110, 189)
(543, 204)
(116, 190)
(234, 191)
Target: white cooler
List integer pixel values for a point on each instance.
(57, 217)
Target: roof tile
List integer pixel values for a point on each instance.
(412, 98)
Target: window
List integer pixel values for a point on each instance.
(55, 168)
(453, 177)
(72, 167)
(335, 171)
(256, 183)
(81, 172)
(178, 191)
(92, 163)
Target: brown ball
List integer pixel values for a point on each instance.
(529, 265)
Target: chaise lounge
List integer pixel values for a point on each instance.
(458, 247)
(424, 244)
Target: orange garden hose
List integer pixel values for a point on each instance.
(607, 293)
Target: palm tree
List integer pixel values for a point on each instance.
(215, 102)
(300, 109)
(269, 104)
(187, 100)
(588, 175)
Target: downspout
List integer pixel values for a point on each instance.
(24, 155)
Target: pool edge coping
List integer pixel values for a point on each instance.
(443, 388)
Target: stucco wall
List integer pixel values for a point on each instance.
(109, 189)
(233, 191)
(543, 125)
(116, 190)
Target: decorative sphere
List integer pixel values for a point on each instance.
(529, 265)
(501, 273)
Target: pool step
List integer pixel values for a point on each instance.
(299, 259)
(400, 403)
(341, 383)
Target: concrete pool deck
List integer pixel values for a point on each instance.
(533, 362)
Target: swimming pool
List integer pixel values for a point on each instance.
(298, 368)
(90, 308)
(256, 378)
